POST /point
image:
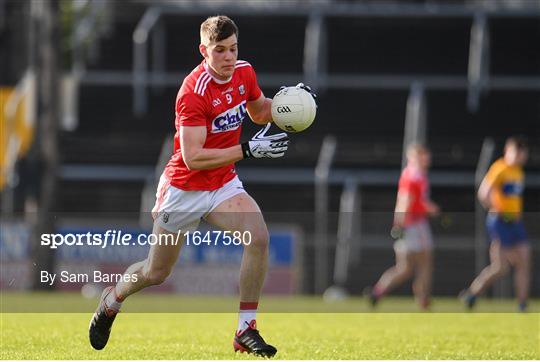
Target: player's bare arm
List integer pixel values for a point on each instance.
(260, 110)
(402, 205)
(484, 191)
(197, 157)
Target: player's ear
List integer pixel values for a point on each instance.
(203, 50)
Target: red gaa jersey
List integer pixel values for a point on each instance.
(220, 106)
(414, 183)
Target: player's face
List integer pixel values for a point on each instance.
(420, 158)
(221, 56)
(515, 156)
(523, 155)
(424, 159)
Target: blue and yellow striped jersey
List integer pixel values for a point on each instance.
(508, 183)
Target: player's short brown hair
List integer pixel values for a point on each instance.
(520, 142)
(217, 28)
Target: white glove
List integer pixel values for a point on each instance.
(266, 146)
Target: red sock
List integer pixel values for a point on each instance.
(247, 314)
(114, 301)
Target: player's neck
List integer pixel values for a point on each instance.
(416, 167)
(216, 77)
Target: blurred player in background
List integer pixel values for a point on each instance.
(414, 243)
(200, 180)
(501, 193)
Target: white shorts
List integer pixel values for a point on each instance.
(176, 209)
(416, 237)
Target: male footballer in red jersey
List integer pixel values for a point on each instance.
(200, 180)
(414, 243)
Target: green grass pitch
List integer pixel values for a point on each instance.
(347, 332)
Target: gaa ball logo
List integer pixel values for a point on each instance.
(283, 109)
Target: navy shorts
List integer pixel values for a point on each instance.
(509, 232)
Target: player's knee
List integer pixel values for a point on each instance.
(499, 270)
(404, 269)
(259, 238)
(156, 276)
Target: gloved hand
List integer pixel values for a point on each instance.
(306, 88)
(266, 146)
